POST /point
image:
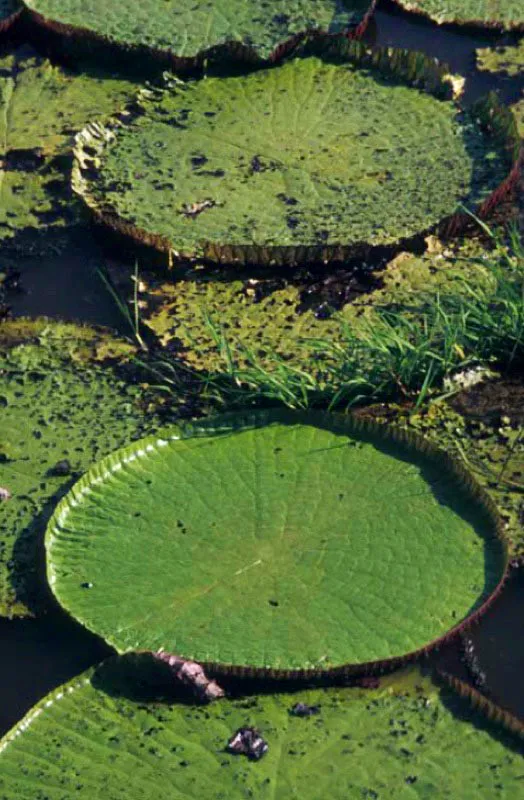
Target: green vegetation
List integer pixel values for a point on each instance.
(41, 107)
(508, 59)
(507, 14)
(406, 739)
(187, 29)
(303, 553)
(402, 349)
(273, 169)
(61, 404)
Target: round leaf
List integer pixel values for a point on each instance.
(309, 161)
(273, 541)
(96, 737)
(186, 29)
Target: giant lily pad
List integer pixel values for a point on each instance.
(275, 541)
(95, 737)
(500, 14)
(60, 404)
(185, 30)
(41, 107)
(308, 161)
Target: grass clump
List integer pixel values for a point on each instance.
(407, 352)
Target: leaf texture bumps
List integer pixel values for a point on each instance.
(275, 541)
(187, 29)
(98, 737)
(308, 161)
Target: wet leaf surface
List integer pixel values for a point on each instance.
(272, 541)
(99, 735)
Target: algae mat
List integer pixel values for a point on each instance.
(506, 14)
(187, 29)
(308, 161)
(99, 737)
(60, 404)
(277, 541)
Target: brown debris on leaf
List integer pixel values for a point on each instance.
(248, 742)
(192, 674)
(194, 209)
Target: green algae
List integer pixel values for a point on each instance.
(507, 59)
(264, 316)
(62, 399)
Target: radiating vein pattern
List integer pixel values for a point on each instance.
(276, 545)
(307, 155)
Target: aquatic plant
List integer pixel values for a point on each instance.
(508, 59)
(503, 14)
(317, 178)
(41, 107)
(410, 340)
(300, 555)
(96, 735)
(183, 32)
(63, 405)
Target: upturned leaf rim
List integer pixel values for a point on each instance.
(334, 421)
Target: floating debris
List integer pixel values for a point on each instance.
(5, 494)
(194, 209)
(192, 674)
(472, 664)
(303, 710)
(62, 467)
(248, 742)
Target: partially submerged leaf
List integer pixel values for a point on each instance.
(57, 404)
(500, 14)
(96, 737)
(275, 541)
(283, 315)
(186, 30)
(508, 59)
(41, 107)
(273, 168)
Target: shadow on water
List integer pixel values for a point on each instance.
(39, 655)
(393, 28)
(499, 646)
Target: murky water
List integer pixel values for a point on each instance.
(38, 655)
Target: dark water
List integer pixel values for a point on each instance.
(38, 655)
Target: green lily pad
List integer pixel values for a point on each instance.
(500, 14)
(41, 107)
(96, 737)
(60, 402)
(274, 541)
(274, 168)
(507, 59)
(186, 30)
